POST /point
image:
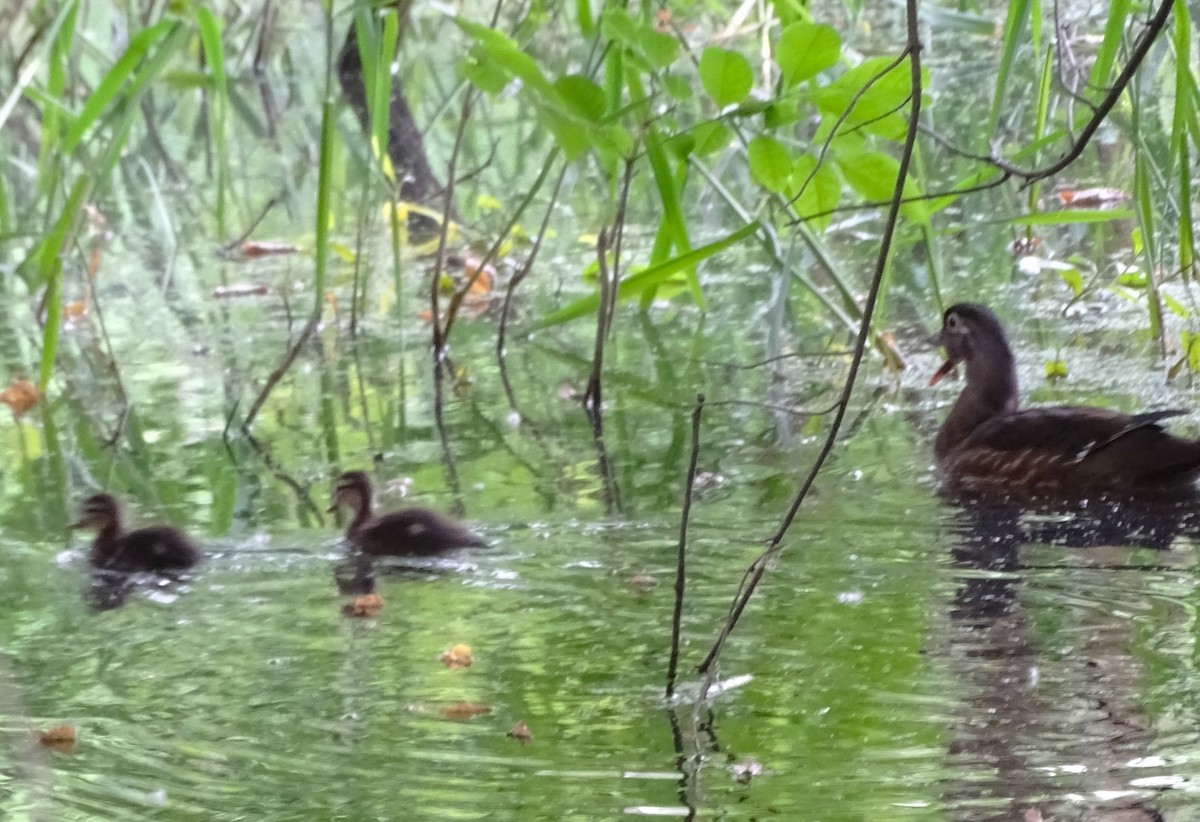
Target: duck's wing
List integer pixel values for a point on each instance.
(1081, 443)
(414, 531)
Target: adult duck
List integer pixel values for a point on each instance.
(409, 532)
(155, 549)
(989, 444)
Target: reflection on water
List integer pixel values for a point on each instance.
(907, 657)
(1059, 727)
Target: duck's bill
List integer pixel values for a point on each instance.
(332, 509)
(77, 525)
(946, 368)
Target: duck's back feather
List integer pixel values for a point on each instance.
(413, 531)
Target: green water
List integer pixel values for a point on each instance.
(870, 679)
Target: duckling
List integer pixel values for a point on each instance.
(154, 549)
(411, 532)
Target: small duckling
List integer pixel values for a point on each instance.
(413, 531)
(157, 548)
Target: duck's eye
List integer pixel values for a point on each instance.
(952, 322)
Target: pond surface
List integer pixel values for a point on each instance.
(905, 659)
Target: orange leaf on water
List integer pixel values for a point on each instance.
(364, 606)
(20, 396)
(464, 710)
(457, 657)
(60, 737)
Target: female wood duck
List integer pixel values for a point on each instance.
(988, 444)
(154, 549)
(411, 532)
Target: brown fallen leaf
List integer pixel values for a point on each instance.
(457, 657)
(364, 606)
(1092, 197)
(20, 396)
(520, 732)
(240, 290)
(60, 738)
(464, 710)
(252, 250)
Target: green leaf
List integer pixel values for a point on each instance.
(1081, 215)
(656, 49)
(1073, 279)
(872, 175)
(115, 82)
(874, 95)
(770, 163)
(649, 278)
(822, 190)
(711, 137)
(805, 50)
(725, 75)
(1056, 370)
(582, 95)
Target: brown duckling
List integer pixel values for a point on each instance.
(410, 532)
(987, 443)
(156, 548)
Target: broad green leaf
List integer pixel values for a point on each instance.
(503, 53)
(805, 50)
(822, 190)
(711, 137)
(648, 278)
(677, 87)
(874, 96)
(725, 75)
(770, 163)
(582, 95)
(872, 175)
(656, 49)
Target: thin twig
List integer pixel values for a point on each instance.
(681, 563)
(755, 572)
(1140, 50)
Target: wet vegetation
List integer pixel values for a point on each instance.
(643, 294)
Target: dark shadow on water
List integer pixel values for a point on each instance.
(108, 590)
(1041, 735)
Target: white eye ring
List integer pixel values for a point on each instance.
(952, 322)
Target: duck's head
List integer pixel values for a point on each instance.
(972, 334)
(98, 513)
(353, 490)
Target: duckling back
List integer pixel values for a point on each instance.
(157, 548)
(412, 532)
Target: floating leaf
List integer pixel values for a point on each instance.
(464, 710)
(1056, 370)
(363, 606)
(60, 737)
(457, 657)
(521, 733)
(20, 396)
